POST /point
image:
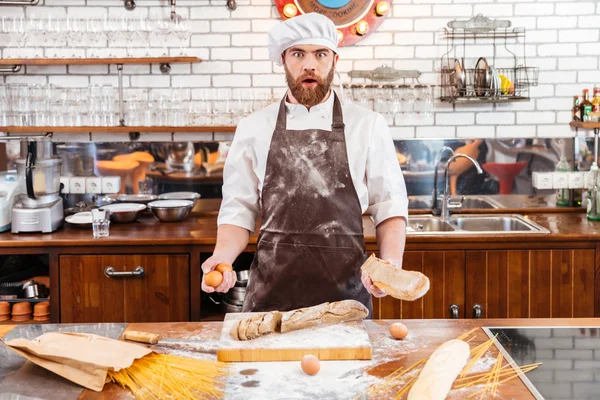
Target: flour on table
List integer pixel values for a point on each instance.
(337, 380)
(344, 335)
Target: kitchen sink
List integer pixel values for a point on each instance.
(493, 224)
(468, 202)
(473, 224)
(429, 225)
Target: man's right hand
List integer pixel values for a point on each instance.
(229, 277)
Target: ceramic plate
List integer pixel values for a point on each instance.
(124, 207)
(82, 219)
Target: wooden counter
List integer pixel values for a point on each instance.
(388, 355)
(506, 275)
(201, 229)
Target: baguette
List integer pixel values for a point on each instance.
(394, 281)
(256, 326)
(277, 322)
(323, 314)
(440, 371)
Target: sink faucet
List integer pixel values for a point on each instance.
(438, 159)
(446, 199)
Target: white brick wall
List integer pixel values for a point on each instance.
(562, 40)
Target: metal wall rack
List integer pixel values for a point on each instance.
(468, 76)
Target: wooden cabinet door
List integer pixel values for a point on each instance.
(162, 294)
(446, 273)
(530, 283)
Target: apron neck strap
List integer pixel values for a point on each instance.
(337, 122)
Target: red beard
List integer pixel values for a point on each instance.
(309, 96)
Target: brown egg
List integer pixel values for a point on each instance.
(213, 278)
(222, 268)
(398, 330)
(310, 364)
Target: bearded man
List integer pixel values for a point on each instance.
(310, 167)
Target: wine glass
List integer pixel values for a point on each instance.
(142, 31)
(75, 32)
(163, 28)
(111, 27)
(183, 32)
(20, 34)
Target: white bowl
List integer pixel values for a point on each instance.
(170, 203)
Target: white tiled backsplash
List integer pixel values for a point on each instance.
(562, 40)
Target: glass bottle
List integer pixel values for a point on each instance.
(585, 107)
(563, 198)
(592, 203)
(575, 109)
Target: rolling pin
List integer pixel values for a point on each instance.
(200, 346)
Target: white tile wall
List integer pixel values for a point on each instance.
(562, 39)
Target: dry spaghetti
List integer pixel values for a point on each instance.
(163, 376)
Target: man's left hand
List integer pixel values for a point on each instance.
(371, 288)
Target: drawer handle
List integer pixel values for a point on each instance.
(477, 310)
(110, 272)
(454, 311)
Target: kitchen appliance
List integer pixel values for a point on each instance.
(38, 208)
(8, 189)
(566, 354)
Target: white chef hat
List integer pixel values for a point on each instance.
(312, 28)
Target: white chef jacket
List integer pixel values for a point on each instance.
(374, 167)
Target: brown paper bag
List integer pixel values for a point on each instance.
(81, 358)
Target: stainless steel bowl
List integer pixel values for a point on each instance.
(191, 196)
(123, 213)
(136, 198)
(170, 210)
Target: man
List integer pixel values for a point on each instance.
(311, 168)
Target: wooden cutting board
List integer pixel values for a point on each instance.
(345, 341)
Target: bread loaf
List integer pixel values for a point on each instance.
(394, 281)
(440, 371)
(276, 322)
(256, 326)
(323, 314)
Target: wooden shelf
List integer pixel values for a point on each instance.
(97, 61)
(585, 125)
(122, 129)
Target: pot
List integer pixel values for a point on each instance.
(242, 277)
(236, 294)
(231, 308)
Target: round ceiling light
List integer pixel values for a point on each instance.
(354, 19)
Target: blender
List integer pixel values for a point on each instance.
(9, 186)
(38, 207)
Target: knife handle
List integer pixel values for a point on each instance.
(142, 337)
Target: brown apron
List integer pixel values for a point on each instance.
(311, 243)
